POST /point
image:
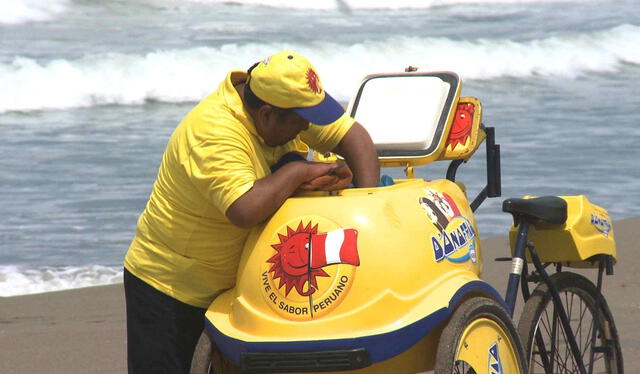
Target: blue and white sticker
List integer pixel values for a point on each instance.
(456, 243)
(601, 224)
(456, 238)
(495, 365)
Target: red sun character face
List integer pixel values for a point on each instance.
(294, 254)
(313, 81)
(291, 262)
(462, 123)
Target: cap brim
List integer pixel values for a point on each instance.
(327, 112)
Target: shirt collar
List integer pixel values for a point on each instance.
(234, 102)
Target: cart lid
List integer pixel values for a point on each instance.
(408, 115)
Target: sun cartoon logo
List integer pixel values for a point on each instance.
(462, 125)
(313, 81)
(291, 261)
(310, 272)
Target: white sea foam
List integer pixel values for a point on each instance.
(190, 74)
(373, 4)
(14, 12)
(20, 280)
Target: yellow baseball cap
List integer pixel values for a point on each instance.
(288, 80)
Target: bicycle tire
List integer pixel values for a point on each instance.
(578, 295)
(477, 326)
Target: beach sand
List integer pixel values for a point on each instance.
(83, 331)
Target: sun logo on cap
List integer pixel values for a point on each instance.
(313, 81)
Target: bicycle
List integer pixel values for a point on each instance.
(566, 325)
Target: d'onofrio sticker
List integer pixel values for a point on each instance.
(456, 237)
(601, 223)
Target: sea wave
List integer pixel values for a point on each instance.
(187, 75)
(22, 280)
(373, 4)
(13, 12)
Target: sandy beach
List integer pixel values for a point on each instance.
(83, 331)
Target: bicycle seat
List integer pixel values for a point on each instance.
(551, 209)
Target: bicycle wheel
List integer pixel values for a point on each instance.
(479, 338)
(545, 341)
(207, 359)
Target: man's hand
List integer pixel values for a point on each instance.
(338, 178)
(318, 169)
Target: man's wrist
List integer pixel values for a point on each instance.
(296, 171)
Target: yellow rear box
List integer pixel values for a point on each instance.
(586, 233)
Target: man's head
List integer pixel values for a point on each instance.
(284, 94)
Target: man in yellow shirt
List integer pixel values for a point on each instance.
(214, 183)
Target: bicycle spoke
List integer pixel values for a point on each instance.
(578, 329)
(567, 353)
(545, 322)
(587, 341)
(554, 333)
(564, 343)
(568, 304)
(542, 351)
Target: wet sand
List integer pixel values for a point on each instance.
(83, 331)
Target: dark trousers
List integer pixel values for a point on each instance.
(162, 332)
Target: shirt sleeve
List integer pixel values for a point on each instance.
(221, 170)
(326, 138)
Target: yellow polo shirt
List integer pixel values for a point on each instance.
(184, 244)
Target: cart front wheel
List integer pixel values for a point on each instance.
(207, 359)
(479, 338)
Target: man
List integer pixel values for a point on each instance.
(214, 183)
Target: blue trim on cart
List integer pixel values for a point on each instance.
(380, 347)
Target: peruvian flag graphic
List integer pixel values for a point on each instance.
(334, 247)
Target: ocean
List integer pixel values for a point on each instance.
(90, 92)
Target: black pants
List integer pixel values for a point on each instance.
(162, 332)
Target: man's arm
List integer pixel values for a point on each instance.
(269, 193)
(357, 149)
